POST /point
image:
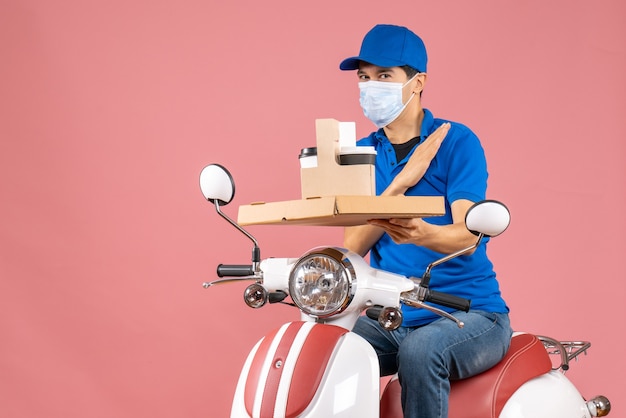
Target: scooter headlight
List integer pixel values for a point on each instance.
(322, 282)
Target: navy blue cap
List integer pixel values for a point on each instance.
(390, 46)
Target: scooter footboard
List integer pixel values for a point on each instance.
(303, 369)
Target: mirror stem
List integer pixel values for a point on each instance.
(256, 251)
(426, 278)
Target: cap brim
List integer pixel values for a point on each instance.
(353, 63)
(350, 64)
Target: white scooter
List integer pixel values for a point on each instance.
(318, 368)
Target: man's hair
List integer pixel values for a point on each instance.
(410, 71)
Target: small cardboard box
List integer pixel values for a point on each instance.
(330, 178)
(340, 210)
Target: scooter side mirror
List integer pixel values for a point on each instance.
(488, 217)
(218, 187)
(216, 183)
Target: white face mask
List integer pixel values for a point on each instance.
(382, 100)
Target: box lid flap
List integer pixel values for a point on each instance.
(340, 210)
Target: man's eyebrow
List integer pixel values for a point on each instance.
(379, 71)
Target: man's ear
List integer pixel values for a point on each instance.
(420, 83)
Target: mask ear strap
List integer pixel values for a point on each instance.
(412, 78)
(408, 101)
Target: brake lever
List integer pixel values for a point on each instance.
(440, 312)
(206, 285)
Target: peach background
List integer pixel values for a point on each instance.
(109, 110)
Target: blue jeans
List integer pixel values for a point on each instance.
(427, 357)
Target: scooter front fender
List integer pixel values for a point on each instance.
(304, 369)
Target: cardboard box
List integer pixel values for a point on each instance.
(330, 178)
(339, 210)
(335, 194)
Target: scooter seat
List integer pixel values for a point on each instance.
(484, 395)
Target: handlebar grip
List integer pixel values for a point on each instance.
(234, 270)
(446, 299)
(374, 312)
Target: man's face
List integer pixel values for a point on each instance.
(371, 72)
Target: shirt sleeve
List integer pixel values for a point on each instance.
(467, 171)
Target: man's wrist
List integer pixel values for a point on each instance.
(394, 190)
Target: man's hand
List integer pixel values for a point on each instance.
(405, 231)
(444, 239)
(420, 160)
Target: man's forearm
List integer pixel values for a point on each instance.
(362, 238)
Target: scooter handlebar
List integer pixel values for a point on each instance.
(445, 299)
(234, 270)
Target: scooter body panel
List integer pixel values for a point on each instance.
(551, 395)
(339, 390)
